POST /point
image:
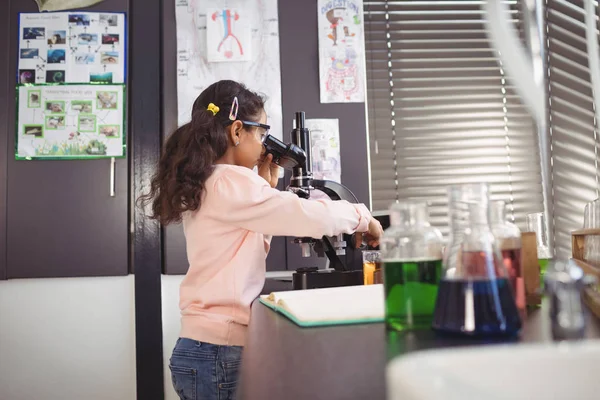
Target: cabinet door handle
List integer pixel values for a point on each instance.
(112, 177)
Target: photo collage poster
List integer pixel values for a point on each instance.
(61, 56)
(71, 121)
(72, 48)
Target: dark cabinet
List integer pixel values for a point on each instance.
(62, 221)
(6, 95)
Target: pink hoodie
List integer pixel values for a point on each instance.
(228, 239)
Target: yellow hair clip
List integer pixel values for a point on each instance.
(212, 108)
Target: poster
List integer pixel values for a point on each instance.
(325, 145)
(325, 151)
(71, 47)
(341, 51)
(71, 121)
(261, 73)
(228, 35)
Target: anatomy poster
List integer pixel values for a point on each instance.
(71, 47)
(228, 35)
(341, 51)
(70, 121)
(261, 71)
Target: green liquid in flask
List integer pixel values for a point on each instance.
(410, 292)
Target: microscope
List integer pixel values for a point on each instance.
(345, 259)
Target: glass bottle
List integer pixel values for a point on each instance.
(371, 267)
(508, 240)
(475, 297)
(536, 222)
(411, 252)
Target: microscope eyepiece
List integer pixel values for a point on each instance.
(286, 156)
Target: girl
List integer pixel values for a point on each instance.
(229, 214)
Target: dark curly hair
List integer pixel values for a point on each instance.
(190, 152)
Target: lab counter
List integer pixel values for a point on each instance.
(284, 361)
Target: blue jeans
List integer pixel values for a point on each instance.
(204, 371)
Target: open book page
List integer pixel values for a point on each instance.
(332, 304)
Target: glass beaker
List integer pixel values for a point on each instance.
(475, 297)
(371, 266)
(591, 215)
(508, 240)
(536, 222)
(411, 251)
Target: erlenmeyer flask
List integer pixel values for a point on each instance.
(475, 297)
(508, 240)
(411, 250)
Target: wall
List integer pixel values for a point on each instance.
(67, 338)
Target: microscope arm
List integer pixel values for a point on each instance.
(335, 191)
(327, 246)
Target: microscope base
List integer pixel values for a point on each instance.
(315, 279)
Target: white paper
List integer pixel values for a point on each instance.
(228, 35)
(72, 47)
(56, 5)
(73, 121)
(261, 73)
(341, 51)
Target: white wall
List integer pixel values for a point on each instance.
(171, 325)
(67, 339)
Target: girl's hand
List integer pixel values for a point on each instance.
(268, 170)
(372, 236)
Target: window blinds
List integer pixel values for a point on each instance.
(441, 111)
(572, 124)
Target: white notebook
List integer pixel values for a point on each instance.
(329, 306)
